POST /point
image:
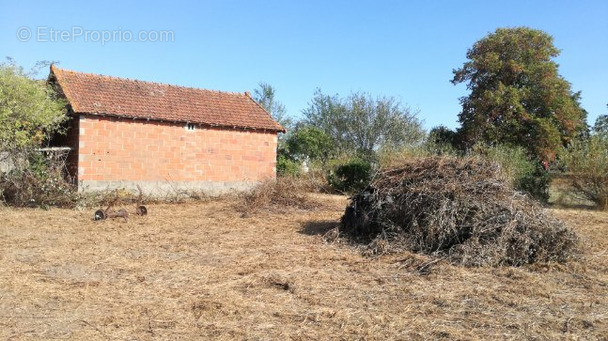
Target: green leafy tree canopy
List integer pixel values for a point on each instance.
(362, 124)
(308, 142)
(29, 109)
(601, 126)
(516, 95)
(587, 161)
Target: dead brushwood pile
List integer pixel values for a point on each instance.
(278, 195)
(461, 209)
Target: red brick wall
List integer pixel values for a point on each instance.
(113, 149)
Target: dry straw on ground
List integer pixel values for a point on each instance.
(198, 271)
(278, 195)
(461, 209)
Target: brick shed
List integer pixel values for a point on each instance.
(162, 137)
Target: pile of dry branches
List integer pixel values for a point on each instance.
(459, 208)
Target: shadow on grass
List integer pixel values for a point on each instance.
(570, 202)
(560, 196)
(568, 206)
(313, 228)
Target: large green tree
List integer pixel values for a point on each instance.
(362, 124)
(30, 113)
(517, 96)
(29, 110)
(601, 126)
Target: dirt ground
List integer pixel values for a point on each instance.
(202, 271)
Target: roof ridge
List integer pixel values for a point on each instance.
(87, 94)
(55, 68)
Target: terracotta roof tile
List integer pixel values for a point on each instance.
(112, 96)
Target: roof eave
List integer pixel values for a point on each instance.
(205, 124)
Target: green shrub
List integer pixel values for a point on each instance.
(536, 183)
(525, 174)
(287, 166)
(587, 163)
(351, 176)
(442, 141)
(30, 111)
(310, 143)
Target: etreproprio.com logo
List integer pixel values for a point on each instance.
(46, 34)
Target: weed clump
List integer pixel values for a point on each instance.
(278, 195)
(461, 209)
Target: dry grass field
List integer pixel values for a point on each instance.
(204, 271)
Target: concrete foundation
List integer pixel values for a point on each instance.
(167, 189)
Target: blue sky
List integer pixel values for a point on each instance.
(405, 49)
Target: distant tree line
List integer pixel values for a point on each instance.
(517, 100)
(518, 106)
